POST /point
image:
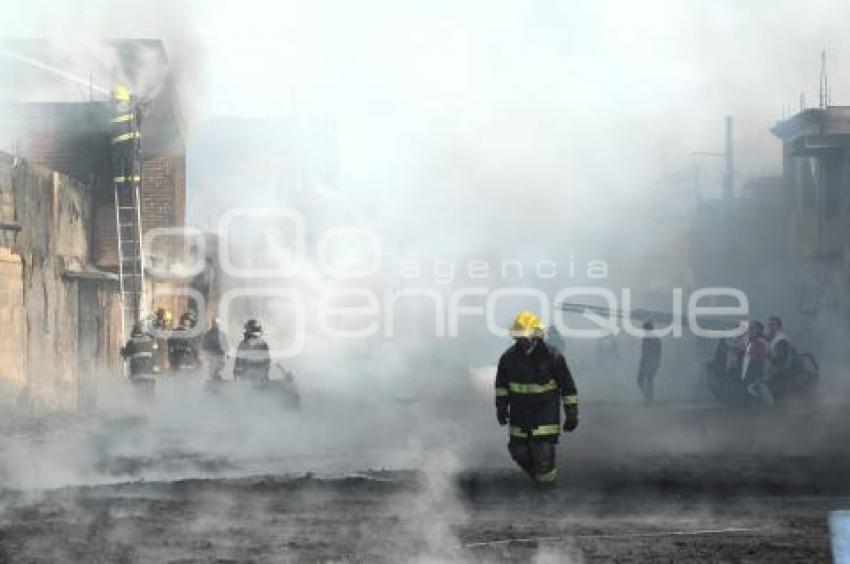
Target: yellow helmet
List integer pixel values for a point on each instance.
(167, 316)
(120, 93)
(527, 325)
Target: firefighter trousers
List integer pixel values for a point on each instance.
(535, 456)
(646, 383)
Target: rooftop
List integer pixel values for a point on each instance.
(40, 71)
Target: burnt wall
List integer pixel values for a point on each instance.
(13, 321)
(40, 352)
(73, 139)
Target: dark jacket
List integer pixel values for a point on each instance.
(783, 359)
(215, 342)
(252, 359)
(183, 350)
(139, 350)
(650, 355)
(531, 388)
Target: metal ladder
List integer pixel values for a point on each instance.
(131, 260)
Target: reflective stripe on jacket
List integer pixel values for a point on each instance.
(532, 387)
(252, 359)
(139, 351)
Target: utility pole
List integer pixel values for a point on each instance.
(823, 90)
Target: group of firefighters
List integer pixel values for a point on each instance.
(156, 347)
(533, 382)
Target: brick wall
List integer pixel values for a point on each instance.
(163, 196)
(73, 139)
(163, 191)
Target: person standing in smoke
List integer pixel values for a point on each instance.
(783, 362)
(753, 366)
(650, 362)
(139, 352)
(184, 345)
(532, 382)
(216, 348)
(252, 356)
(160, 328)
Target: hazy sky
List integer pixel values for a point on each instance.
(492, 115)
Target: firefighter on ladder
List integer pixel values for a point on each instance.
(125, 138)
(532, 383)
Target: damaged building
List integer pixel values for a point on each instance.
(816, 178)
(61, 302)
(785, 239)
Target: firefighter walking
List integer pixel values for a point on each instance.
(216, 348)
(532, 383)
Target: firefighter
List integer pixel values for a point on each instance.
(162, 319)
(216, 348)
(162, 325)
(650, 361)
(125, 138)
(184, 351)
(139, 352)
(532, 382)
(252, 356)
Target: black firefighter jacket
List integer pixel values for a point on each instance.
(531, 388)
(252, 359)
(140, 350)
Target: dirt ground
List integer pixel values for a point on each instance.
(719, 498)
(393, 517)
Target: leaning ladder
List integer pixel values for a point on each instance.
(131, 261)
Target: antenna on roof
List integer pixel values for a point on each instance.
(824, 82)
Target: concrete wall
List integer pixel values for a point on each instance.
(40, 356)
(13, 321)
